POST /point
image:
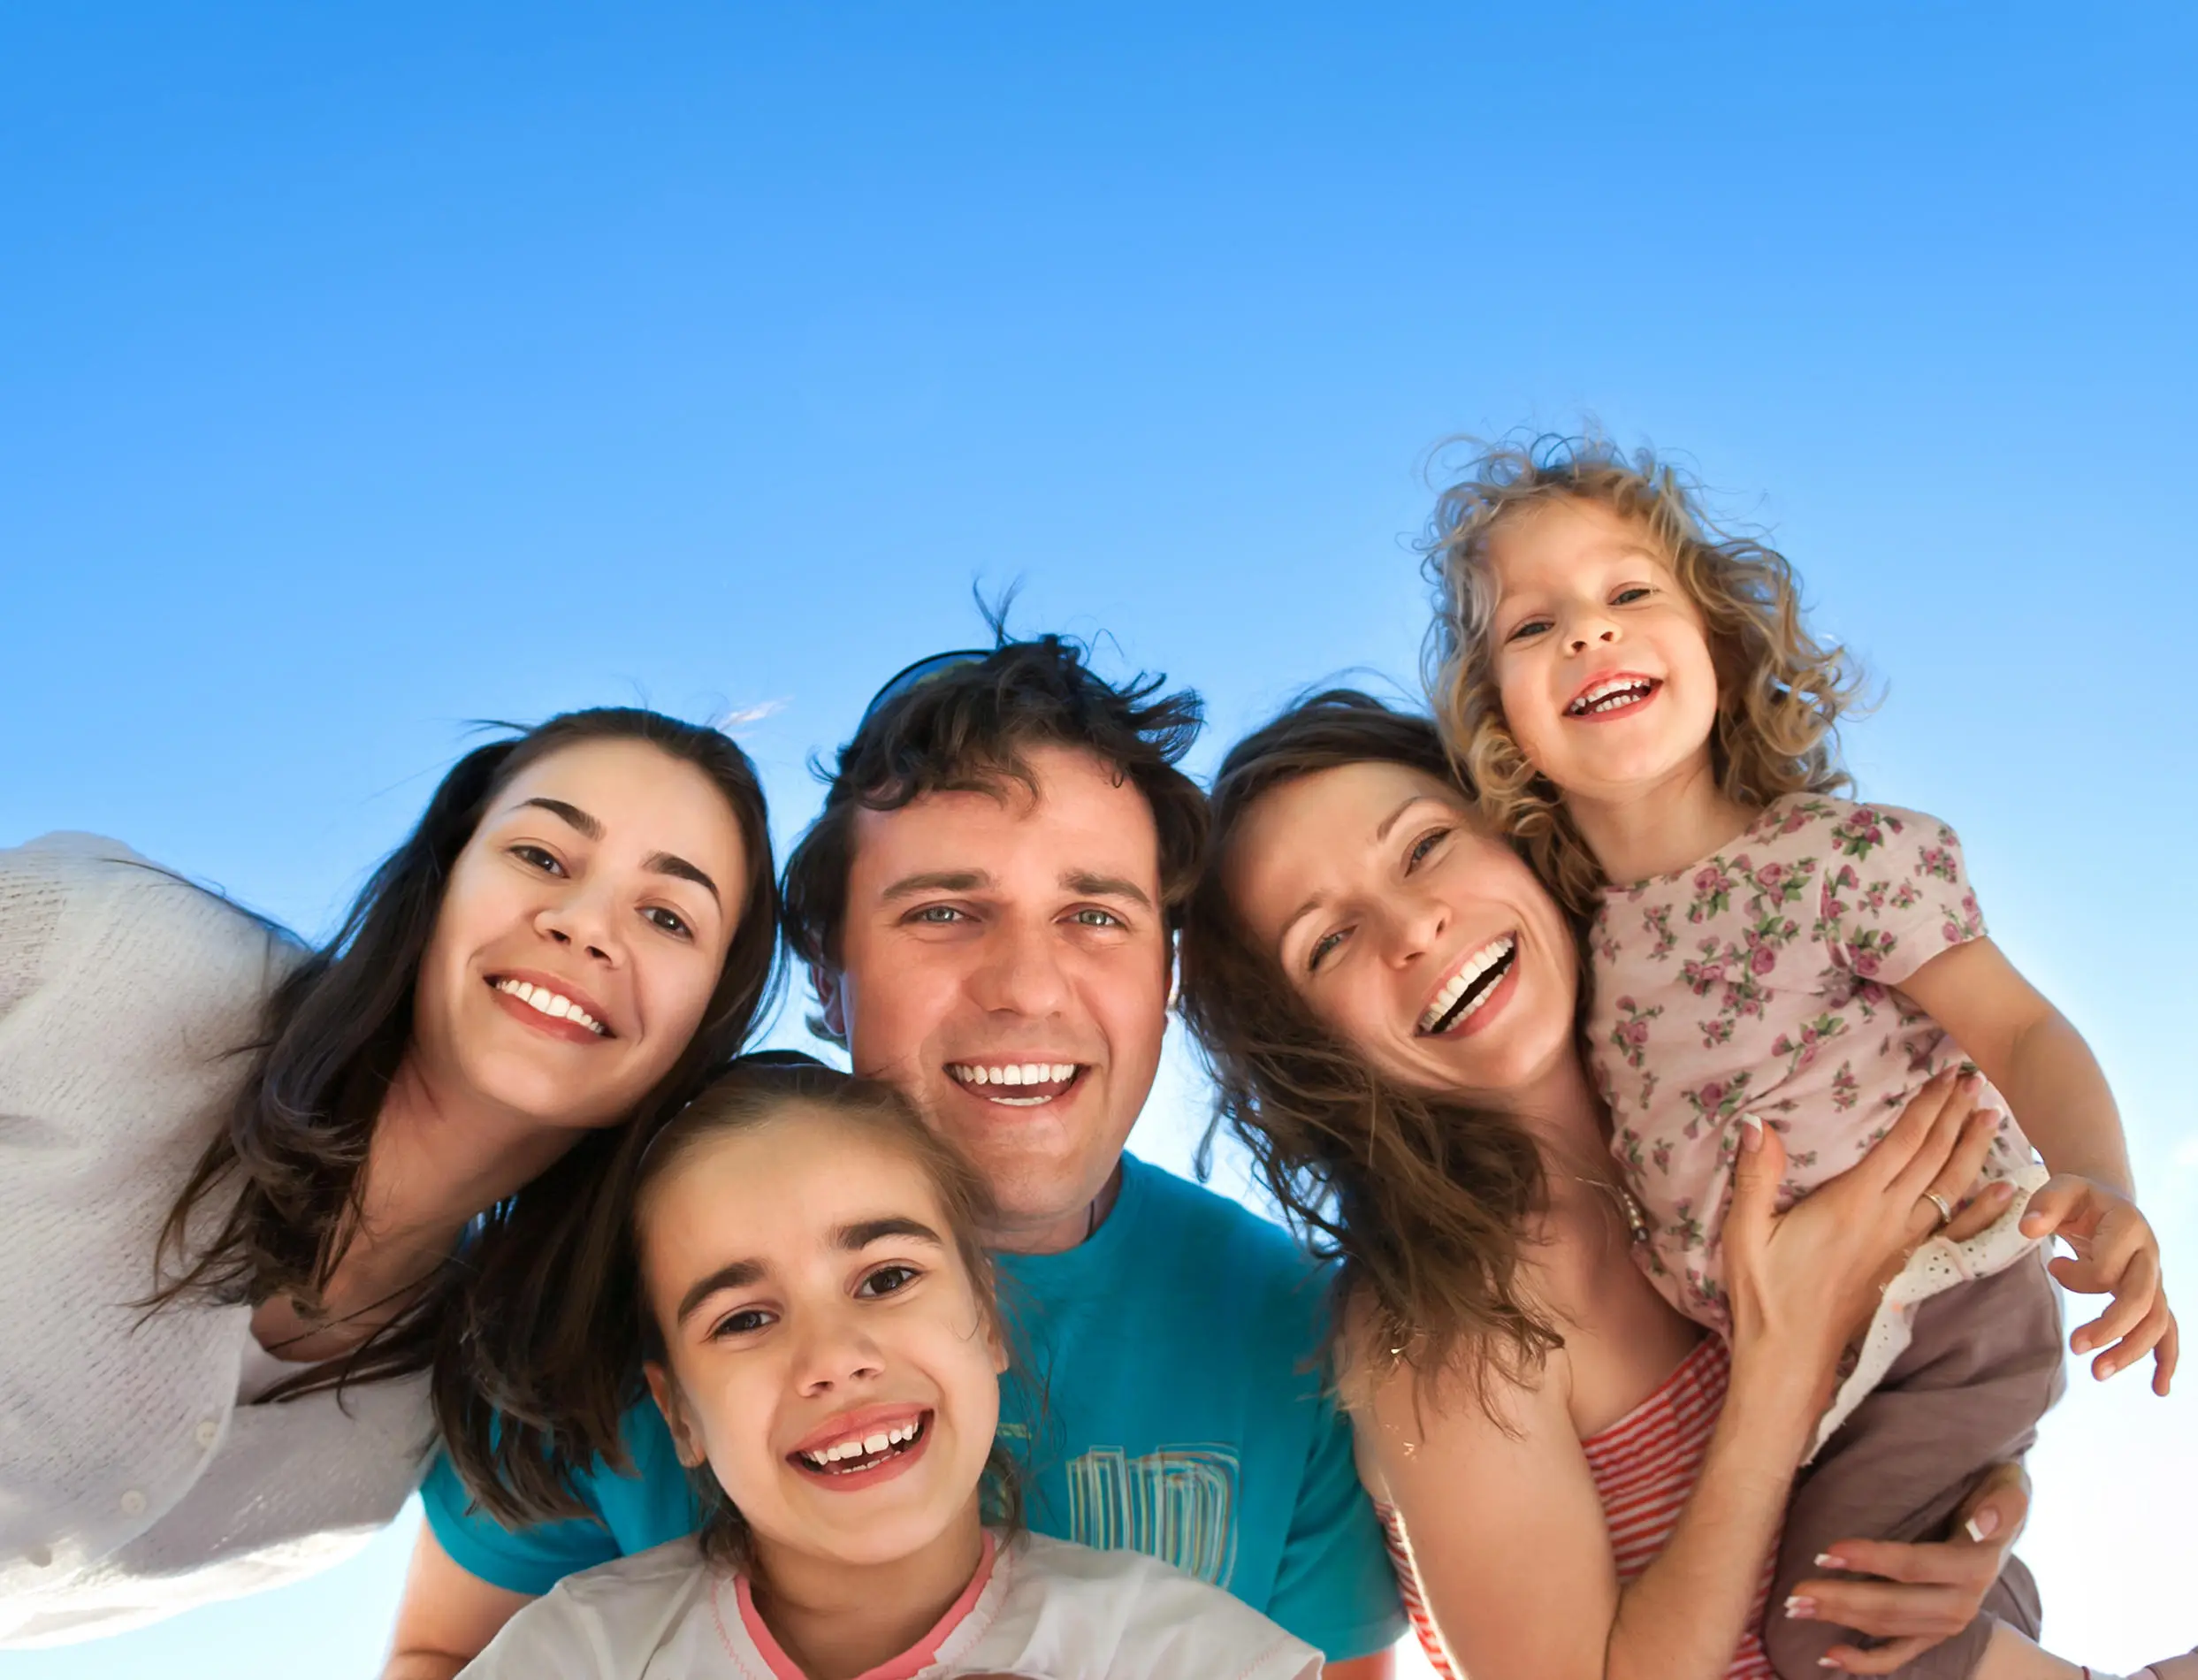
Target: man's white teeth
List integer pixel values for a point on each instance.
(1014, 1072)
(1608, 696)
(865, 1446)
(553, 1003)
(1495, 950)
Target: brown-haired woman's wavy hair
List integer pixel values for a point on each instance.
(1780, 691)
(623, 1332)
(281, 1187)
(1425, 1199)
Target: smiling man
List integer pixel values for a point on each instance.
(987, 906)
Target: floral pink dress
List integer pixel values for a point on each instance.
(1763, 981)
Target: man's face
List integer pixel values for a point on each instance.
(1005, 965)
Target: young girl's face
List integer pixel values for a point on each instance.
(828, 1355)
(1601, 659)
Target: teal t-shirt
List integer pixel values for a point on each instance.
(1171, 1402)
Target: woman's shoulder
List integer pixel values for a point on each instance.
(111, 965)
(91, 895)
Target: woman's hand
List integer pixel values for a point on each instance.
(1805, 1282)
(1930, 1591)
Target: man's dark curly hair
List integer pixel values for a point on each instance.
(968, 727)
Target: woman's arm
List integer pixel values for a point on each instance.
(1507, 1532)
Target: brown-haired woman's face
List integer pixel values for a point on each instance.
(581, 936)
(1419, 940)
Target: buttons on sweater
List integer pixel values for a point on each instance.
(208, 1431)
(132, 1503)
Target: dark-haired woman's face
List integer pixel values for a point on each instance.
(1418, 939)
(581, 936)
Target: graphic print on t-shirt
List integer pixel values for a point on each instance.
(1177, 1504)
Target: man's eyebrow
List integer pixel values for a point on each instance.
(590, 826)
(936, 880)
(665, 863)
(1097, 886)
(736, 1274)
(862, 1233)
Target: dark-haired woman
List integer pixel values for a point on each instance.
(237, 1178)
(1584, 1485)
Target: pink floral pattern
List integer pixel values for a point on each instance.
(1764, 981)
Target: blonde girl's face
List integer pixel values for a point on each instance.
(828, 1357)
(1418, 939)
(1601, 659)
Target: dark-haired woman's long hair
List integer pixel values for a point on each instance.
(1425, 1199)
(281, 1186)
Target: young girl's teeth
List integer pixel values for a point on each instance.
(555, 1004)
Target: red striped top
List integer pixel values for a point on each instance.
(1644, 1466)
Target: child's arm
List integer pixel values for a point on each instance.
(2041, 1064)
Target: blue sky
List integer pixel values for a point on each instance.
(366, 371)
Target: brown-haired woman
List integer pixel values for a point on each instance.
(249, 1196)
(1583, 1483)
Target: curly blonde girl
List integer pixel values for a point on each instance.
(1780, 691)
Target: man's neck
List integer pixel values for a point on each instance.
(1057, 1232)
(431, 1166)
(1662, 827)
(838, 1620)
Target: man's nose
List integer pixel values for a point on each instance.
(1020, 970)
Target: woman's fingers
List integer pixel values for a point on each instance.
(1968, 1144)
(2164, 1357)
(1949, 1128)
(1942, 1100)
(1883, 1660)
(1756, 1171)
(1984, 1210)
(1886, 1611)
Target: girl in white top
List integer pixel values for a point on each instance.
(234, 1173)
(823, 1340)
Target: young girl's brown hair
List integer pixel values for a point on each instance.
(1780, 691)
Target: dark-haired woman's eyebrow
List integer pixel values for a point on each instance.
(665, 863)
(861, 1233)
(591, 826)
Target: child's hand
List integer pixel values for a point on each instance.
(2116, 1254)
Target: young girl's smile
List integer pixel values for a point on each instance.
(1601, 657)
(828, 1353)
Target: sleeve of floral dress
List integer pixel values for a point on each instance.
(1896, 893)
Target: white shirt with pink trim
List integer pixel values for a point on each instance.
(1040, 1609)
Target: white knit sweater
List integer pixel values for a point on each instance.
(131, 1482)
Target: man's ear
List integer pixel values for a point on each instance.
(665, 1391)
(831, 1000)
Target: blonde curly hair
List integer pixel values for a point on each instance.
(1781, 692)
